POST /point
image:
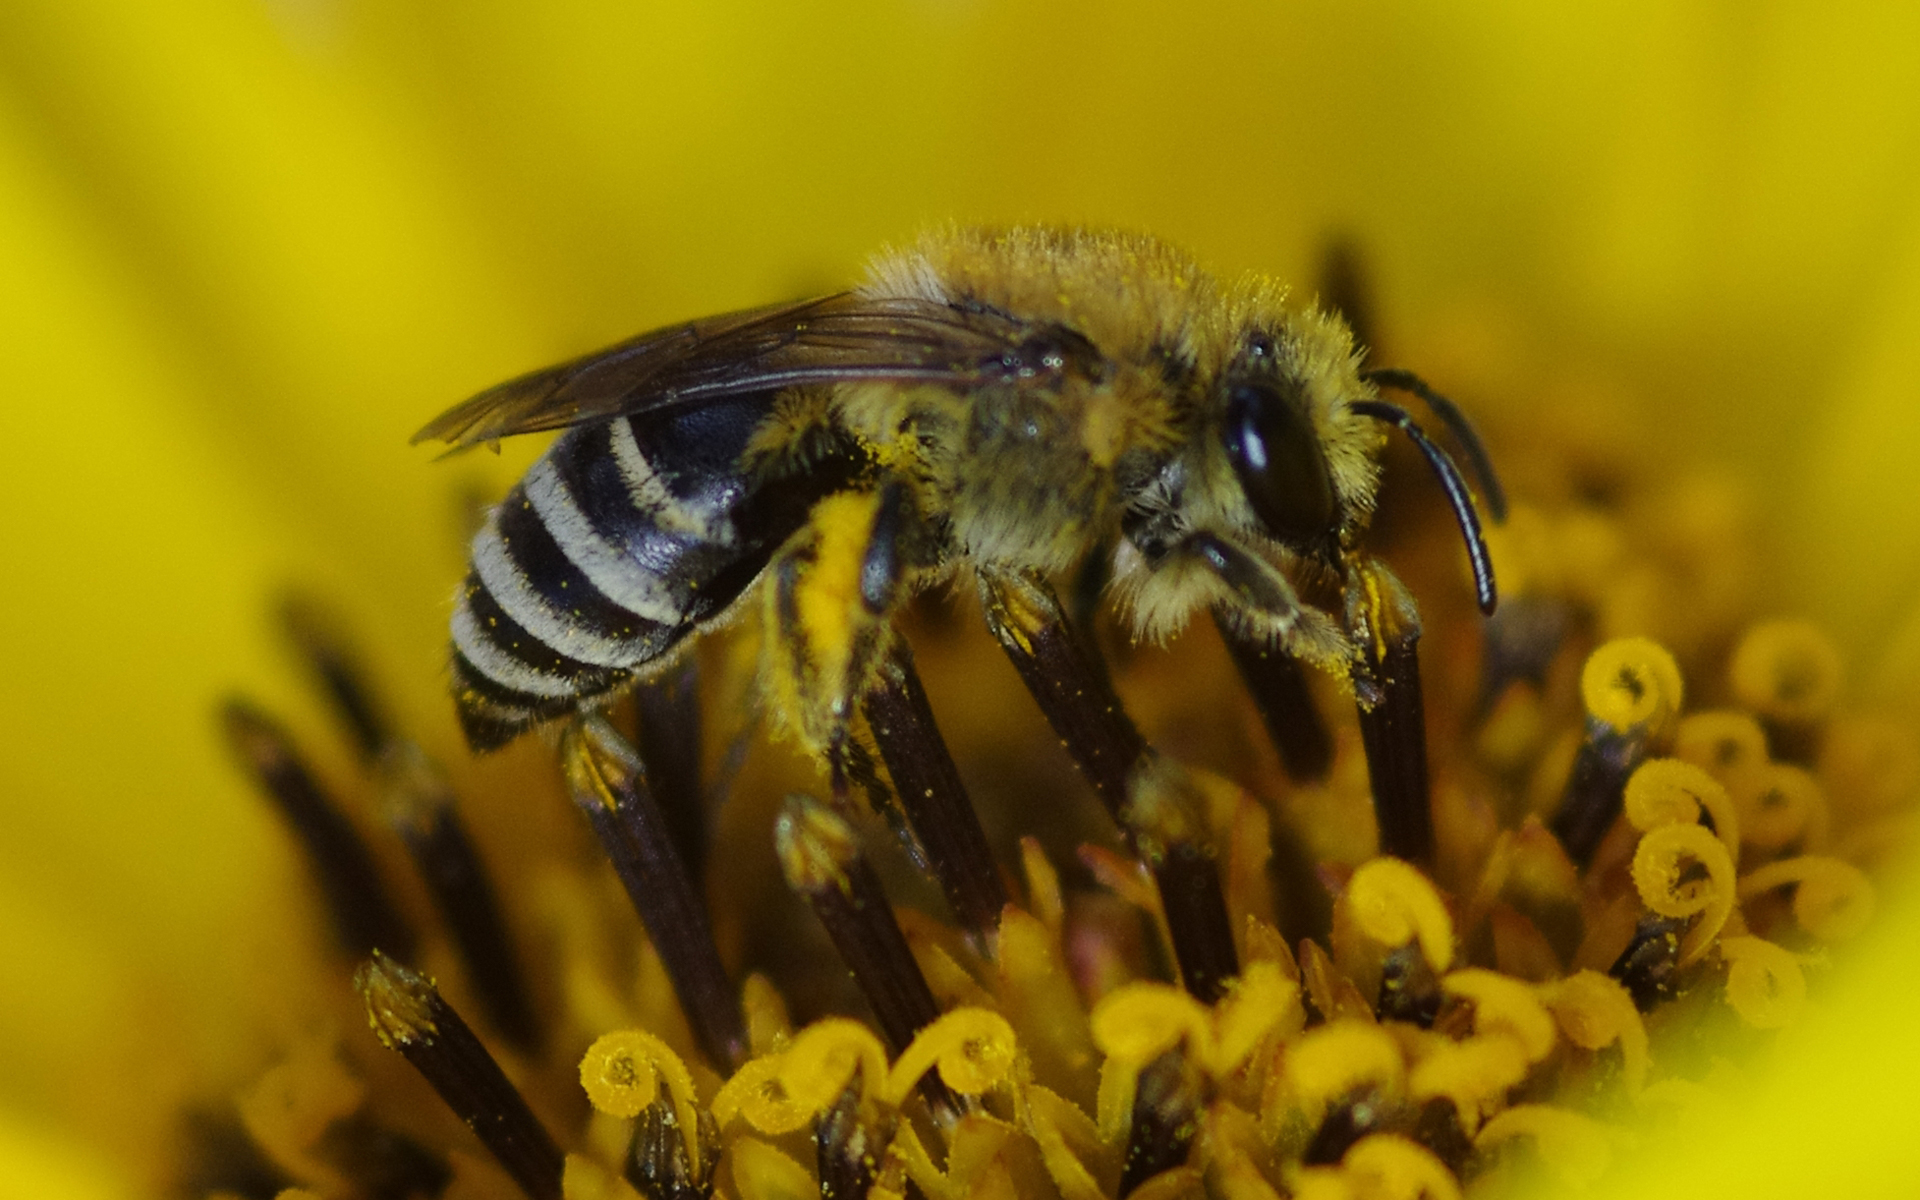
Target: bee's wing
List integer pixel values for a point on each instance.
(833, 339)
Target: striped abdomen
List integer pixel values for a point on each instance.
(617, 544)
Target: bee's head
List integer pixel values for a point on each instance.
(1275, 448)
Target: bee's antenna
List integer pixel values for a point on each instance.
(1454, 486)
(1456, 423)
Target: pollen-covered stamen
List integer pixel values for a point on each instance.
(1278, 684)
(1393, 725)
(669, 743)
(418, 803)
(363, 917)
(1789, 673)
(821, 858)
(337, 669)
(603, 774)
(408, 1013)
(1632, 691)
(657, 1163)
(850, 1140)
(1162, 819)
(928, 788)
(1165, 1099)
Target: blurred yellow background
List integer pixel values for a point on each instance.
(248, 246)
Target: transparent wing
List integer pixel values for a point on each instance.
(834, 339)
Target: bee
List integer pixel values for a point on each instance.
(1001, 402)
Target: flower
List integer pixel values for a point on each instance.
(250, 247)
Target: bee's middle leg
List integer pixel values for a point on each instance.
(834, 655)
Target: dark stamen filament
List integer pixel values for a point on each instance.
(849, 1145)
(383, 1163)
(410, 1016)
(1393, 725)
(1164, 1103)
(1596, 787)
(338, 671)
(930, 793)
(420, 807)
(820, 855)
(604, 776)
(1278, 685)
(364, 919)
(669, 744)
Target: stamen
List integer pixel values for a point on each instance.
(820, 855)
(409, 1015)
(221, 1157)
(670, 747)
(382, 1162)
(1632, 690)
(420, 807)
(1393, 723)
(931, 795)
(1278, 685)
(329, 655)
(604, 776)
(1789, 673)
(1163, 822)
(1648, 963)
(1165, 1100)
(850, 1140)
(1147, 795)
(657, 1163)
(364, 919)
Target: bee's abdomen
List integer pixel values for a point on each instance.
(619, 543)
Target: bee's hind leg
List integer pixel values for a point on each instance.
(834, 654)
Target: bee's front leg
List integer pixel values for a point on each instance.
(833, 654)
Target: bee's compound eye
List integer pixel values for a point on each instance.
(1276, 455)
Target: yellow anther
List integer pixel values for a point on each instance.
(1338, 1057)
(1660, 875)
(1393, 903)
(1141, 1021)
(1668, 791)
(1764, 982)
(1263, 999)
(1391, 1167)
(1474, 1074)
(1576, 1147)
(1594, 1011)
(616, 1073)
(823, 1059)
(1503, 1004)
(1781, 805)
(1833, 900)
(1786, 671)
(1724, 742)
(973, 1048)
(756, 1094)
(1631, 683)
(623, 1072)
